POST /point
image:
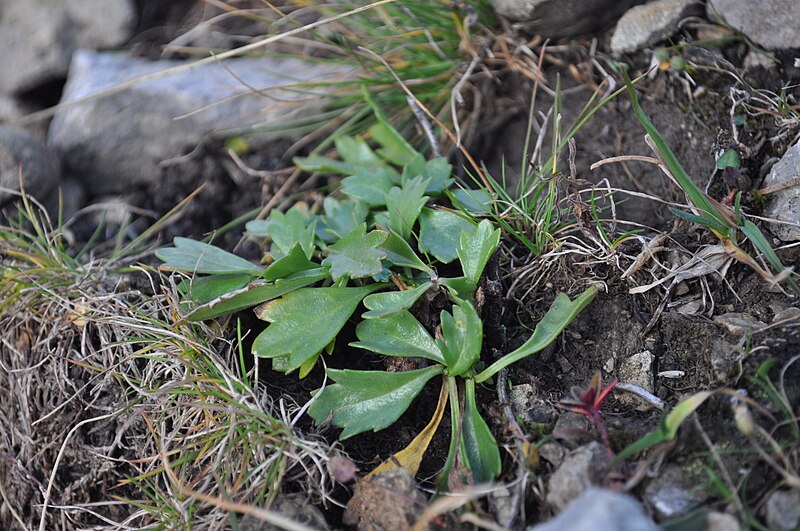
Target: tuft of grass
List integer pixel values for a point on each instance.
(114, 415)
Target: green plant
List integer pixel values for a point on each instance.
(725, 222)
(668, 427)
(380, 243)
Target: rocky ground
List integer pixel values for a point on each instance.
(677, 316)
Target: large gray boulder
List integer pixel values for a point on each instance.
(38, 37)
(117, 141)
(773, 24)
(21, 152)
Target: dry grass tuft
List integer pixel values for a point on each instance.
(115, 415)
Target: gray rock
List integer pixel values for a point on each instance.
(676, 491)
(755, 59)
(722, 522)
(649, 23)
(637, 370)
(530, 409)
(118, 141)
(573, 427)
(504, 507)
(553, 453)
(784, 205)
(563, 18)
(774, 24)
(10, 109)
(600, 510)
(583, 468)
(783, 510)
(296, 507)
(41, 169)
(38, 37)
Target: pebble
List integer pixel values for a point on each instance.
(784, 205)
(637, 370)
(647, 24)
(716, 521)
(600, 510)
(557, 18)
(675, 492)
(529, 409)
(783, 510)
(584, 467)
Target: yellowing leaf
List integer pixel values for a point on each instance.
(411, 456)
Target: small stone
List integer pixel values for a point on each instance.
(553, 453)
(726, 362)
(739, 323)
(21, 151)
(784, 205)
(583, 468)
(562, 18)
(775, 25)
(572, 427)
(647, 24)
(783, 510)
(637, 370)
(600, 510)
(529, 409)
(722, 522)
(676, 491)
(788, 314)
(681, 289)
(503, 506)
(754, 60)
(294, 507)
(689, 308)
(564, 363)
(609, 365)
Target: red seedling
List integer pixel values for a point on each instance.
(587, 402)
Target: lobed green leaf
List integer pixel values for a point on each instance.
(400, 334)
(305, 321)
(255, 293)
(198, 257)
(440, 233)
(357, 255)
(368, 400)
